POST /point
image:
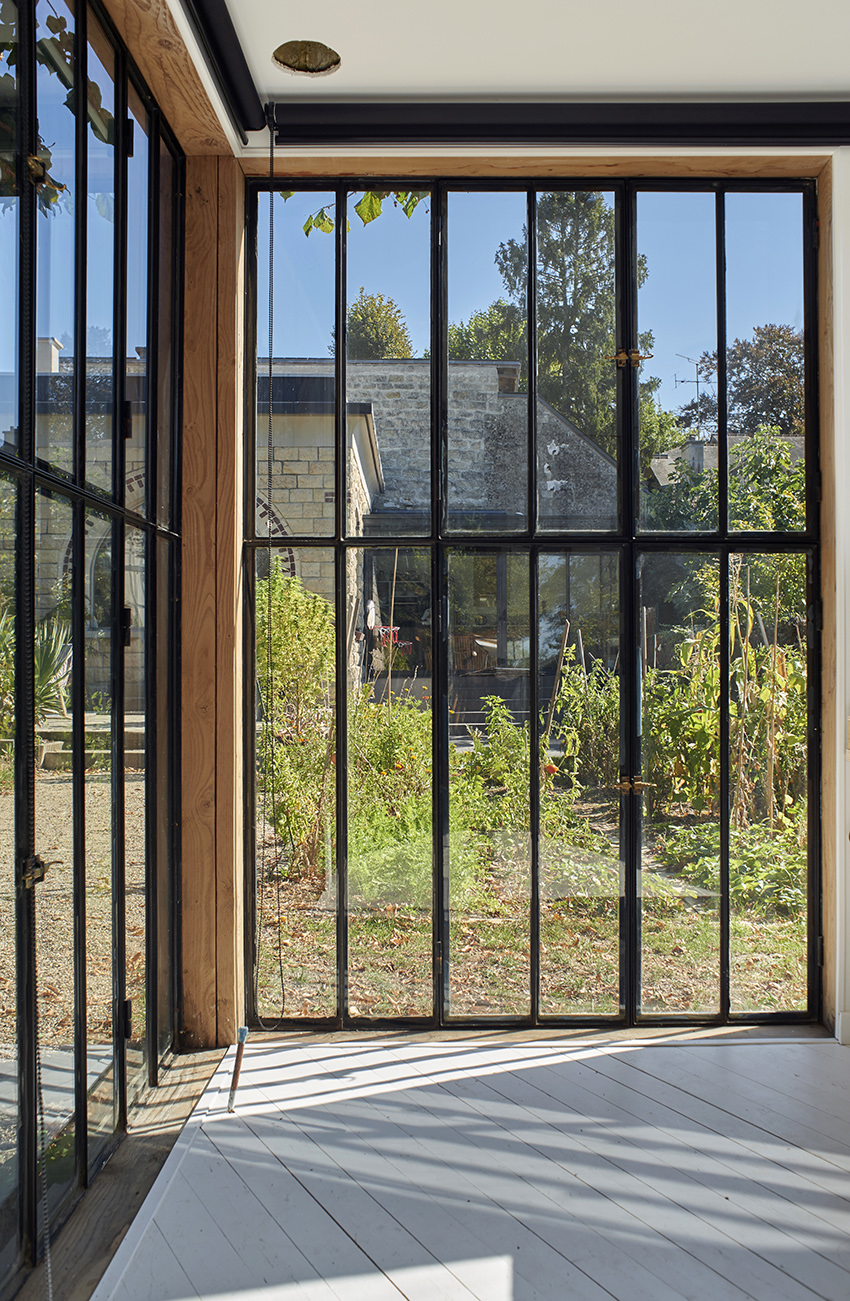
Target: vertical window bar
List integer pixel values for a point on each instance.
(152, 339)
(811, 247)
(438, 948)
(722, 432)
(119, 949)
(531, 314)
(814, 740)
(80, 241)
(724, 793)
(119, 333)
(340, 229)
(534, 775)
(177, 263)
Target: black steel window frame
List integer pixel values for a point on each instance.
(32, 476)
(628, 540)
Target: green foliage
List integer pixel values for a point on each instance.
(764, 384)
(767, 870)
(51, 664)
(766, 489)
(495, 333)
(368, 208)
(376, 329)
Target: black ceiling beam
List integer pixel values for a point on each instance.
(223, 54)
(315, 122)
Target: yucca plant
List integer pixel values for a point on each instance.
(51, 667)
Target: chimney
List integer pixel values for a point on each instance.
(47, 356)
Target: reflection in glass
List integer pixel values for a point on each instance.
(9, 239)
(54, 833)
(100, 941)
(768, 735)
(488, 868)
(487, 451)
(388, 377)
(576, 332)
(390, 880)
(295, 938)
(677, 320)
(680, 765)
(135, 795)
(8, 976)
(295, 476)
(165, 324)
(765, 362)
(55, 227)
(100, 255)
(580, 866)
(136, 365)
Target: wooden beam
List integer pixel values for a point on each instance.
(508, 166)
(151, 35)
(200, 356)
(230, 458)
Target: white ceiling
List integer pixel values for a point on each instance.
(604, 49)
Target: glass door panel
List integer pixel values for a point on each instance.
(99, 799)
(136, 363)
(8, 921)
(489, 860)
(581, 867)
(679, 870)
(390, 801)
(135, 805)
(54, 836)
(296, 910)
(768, 782)
(100, 257)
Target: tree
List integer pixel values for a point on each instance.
(495, 333)
(376, 329)
(764, 385)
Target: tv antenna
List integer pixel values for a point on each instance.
(676, 382)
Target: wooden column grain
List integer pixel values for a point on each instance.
(200, 400)
(230, 1002)
(830, 722)
(151, 35)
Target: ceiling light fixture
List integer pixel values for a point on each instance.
(312, 58)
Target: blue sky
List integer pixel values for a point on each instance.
(675, 234)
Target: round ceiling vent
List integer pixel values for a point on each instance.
(313, 58)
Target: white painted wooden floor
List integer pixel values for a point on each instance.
(485, 1167)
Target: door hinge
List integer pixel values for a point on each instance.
(126, 625)
(130, 137)
(35, 869)
(127, 418)
(127, 1018)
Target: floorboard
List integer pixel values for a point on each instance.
(506, 1168)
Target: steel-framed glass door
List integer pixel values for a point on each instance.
(533, 573)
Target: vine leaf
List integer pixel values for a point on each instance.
(369, 206)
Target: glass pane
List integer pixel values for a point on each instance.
(487, 456)
(165, 340)
(580, 858)
(297, 894)
(54, 834)
(390, 879)
(768, 736)
(296, 487)
(100, 256)
(55, 227)
(9, 236)
(677, 323)
(765, 361)
(136, 366)
(576, 384)
(488, 867)
(100, 939)
(165, 813)
(680, 764)
(388, 395)
(135, 792)
(8, 928)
